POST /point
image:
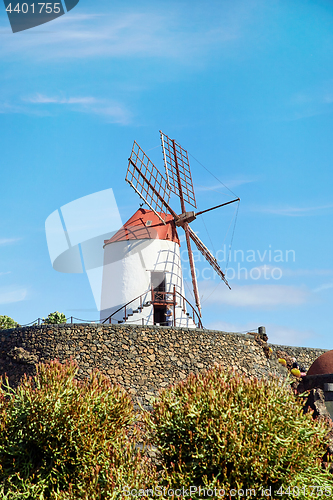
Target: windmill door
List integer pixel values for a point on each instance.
(159, 297)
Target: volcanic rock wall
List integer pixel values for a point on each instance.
(141, 359)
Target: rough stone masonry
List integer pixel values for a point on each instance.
(142, 359)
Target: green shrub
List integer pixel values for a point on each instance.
(61, 437)
(6, 322)
(221, 429)
(55, 318)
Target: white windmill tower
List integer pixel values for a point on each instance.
(142, 273)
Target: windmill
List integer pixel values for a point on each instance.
(160, 222)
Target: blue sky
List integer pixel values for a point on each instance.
(245, 86)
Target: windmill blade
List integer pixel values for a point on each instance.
(148, 182)
(217, 206)
(191, 260)
(177, 168)
(208, 256)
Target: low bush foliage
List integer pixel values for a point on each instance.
(220, 429)
(55, 318)
(63, 438)
(6, 323)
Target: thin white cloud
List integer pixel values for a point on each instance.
(8, 241)
(293, 211)
(261, 296)
(284, 335)
(287, 272)
(277, 334)
(313, 101)
(4, 273)
(325, 286)
(239, 182)
(140, 33)
(43, 99)
(10, 295)
(308, 113)
(11, 108)
(112, 111)
(224, 326)
(319, 94)
(80, 17)
(6, 108)
(231, 184)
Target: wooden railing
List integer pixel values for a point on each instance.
(159, 297)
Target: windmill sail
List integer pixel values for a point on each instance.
(148, 182)
(208, 256)
(177, 168)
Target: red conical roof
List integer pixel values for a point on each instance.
(145, 224)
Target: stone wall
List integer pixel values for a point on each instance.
(141, 359)
(305, 355)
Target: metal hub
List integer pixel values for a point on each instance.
(184, 218)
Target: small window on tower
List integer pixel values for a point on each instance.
(149, 223)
